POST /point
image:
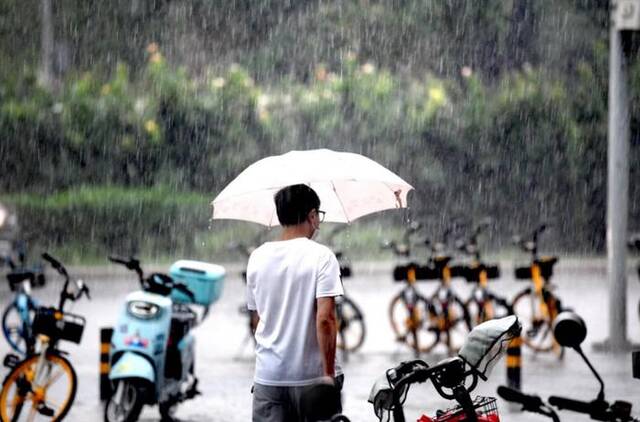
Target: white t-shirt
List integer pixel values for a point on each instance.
(284, 279)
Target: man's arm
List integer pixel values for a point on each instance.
(327, 327)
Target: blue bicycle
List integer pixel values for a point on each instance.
(17, 317)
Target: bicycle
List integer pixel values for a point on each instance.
(448, 318)
(351, 326)
(45, 379)
(536, 305)
(570, 331)
(484, 346)
(441, 316)
(17, 317)
(408, 308)
(483, 304)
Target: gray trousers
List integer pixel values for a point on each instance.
(280, 404)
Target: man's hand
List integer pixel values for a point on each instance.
(327, 328)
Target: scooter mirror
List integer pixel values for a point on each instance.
(569, 329)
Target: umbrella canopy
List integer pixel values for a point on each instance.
(349, 186)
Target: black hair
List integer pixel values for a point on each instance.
(294, 202)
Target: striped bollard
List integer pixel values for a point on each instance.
(105, 344)
(514, 363)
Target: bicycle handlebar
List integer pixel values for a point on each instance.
(516, 396)
(530, 403)
(55, 264)
(65, 294)
(132, 264)
(579, 406)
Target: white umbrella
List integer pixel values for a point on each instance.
(349, 186)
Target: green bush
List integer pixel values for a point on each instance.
(96, 221)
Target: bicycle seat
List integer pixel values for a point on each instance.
(472, 273)
(546, 264)
(441, 261)
(17, 277)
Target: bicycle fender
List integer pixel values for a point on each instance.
(132, 365)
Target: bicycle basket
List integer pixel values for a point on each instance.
(486, 409)
(58, 325)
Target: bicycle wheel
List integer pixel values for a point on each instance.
(408, 313)
(351, 327)
(537, 330)
(46, 395)
(16, 330)
(483, 306)
(450, 319)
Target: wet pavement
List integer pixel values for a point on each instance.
(224, 361)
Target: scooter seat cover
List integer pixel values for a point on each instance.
(203, 279)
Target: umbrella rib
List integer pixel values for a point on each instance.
(333, 185)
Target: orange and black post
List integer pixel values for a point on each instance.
(514, 363)
(105, 345)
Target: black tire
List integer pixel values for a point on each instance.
(61, 382)
(351, 327)
(133, 397)
(451, 320)
(484, 306)
(537, 332)
(407, 317)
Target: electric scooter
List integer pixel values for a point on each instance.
(152, 349)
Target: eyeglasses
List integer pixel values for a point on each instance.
(321, 215)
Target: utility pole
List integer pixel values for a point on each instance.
(625, 17)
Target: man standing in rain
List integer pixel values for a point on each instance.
(292, 284)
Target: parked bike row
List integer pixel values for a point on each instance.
(445, 317)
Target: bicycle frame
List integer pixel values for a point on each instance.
(539, 272)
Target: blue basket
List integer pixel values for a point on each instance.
(205, 281)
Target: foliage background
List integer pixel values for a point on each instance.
(494, 108)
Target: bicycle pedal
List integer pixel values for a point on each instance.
(45, 410)
(192, 393)
(11, 361)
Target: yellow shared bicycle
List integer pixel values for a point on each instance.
(43, 385)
